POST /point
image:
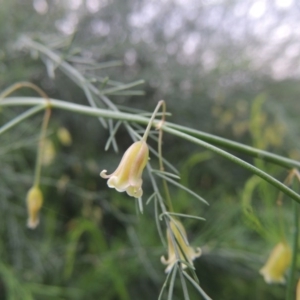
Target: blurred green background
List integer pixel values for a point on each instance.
(225, 67)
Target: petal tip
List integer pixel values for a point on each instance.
(198, 252)
(103, 174)
(32, 224)
(163, 260)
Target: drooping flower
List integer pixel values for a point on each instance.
(34, 202)
(182, 246)
(48, 152)
(298, 290)
(127, 177)
(64, 136)
(277, 264)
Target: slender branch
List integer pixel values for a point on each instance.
(47, 104)
(295, 196)
(160, 156)
(151, 121)
(38, 164)
(16, 101)
(213, 139)
(232, 145)
(24, 84)
(27, 114)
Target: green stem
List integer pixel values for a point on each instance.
(160, 158)
(47, 105)
(232, 145)
(290, 292)
(122, 87)
(38, 164)
(150, 123)
(218, 141)
(238, 161)
(215, 140)
(24, 84)
(17, 101)
(27, 114)
(280, 218)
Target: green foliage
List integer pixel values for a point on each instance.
(91, 244)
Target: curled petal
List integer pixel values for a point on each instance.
(104, 175)
(198, 252)
(170, 262)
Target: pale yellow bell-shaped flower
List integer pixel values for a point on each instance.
(64, 136)
(277, 264)
(180, 238)
(127, 177)
(48, 152)
(298, 290)
(34, 202)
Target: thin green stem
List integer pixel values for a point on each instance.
(238, 161)
(182, 187)
(16, 101)
(288, 181)
(232, 145)
(290, 291)
(24, 84)
(160, 158)
(47, 105)
(38, 164)
(172, 282)
(281, 226)
(122, 87)
(197, 286)
(215, 140)
(27, 114)
(164, 286)
(150, 123)
(181, 215)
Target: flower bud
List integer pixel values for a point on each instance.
(34, 202)
(48, 152)
(64, 136)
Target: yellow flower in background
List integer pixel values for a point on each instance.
(298, 290)
(127, 177)
(48, 152)
(277, 264)
(64, 136)
(34, 201)
(180, 238)
(62, 183)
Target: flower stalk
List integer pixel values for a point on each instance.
(34, 198)
(160, 156)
